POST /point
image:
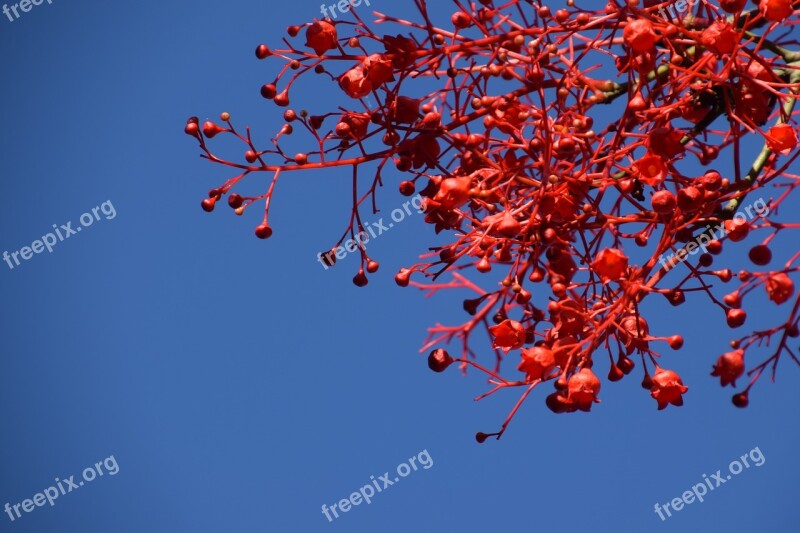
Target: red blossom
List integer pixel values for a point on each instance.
(779, 287)
(507, 335)
(639, 35)
(583, 389)
(535, 169)
(610, 264)
(355, 83)
(651, 169)
(378, 69)
(321, 36)
(537, 362)
(720, 37)
(782, 139)
(729, 367)
(667, 388)
(665, 142)
(353, 125)
(776, 10)
(453, 192)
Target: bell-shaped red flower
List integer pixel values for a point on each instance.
(667, 388)
(634, 331)
(779, 287)
(651, 169)
(639, 35)
(732, 6)
(583, 388)
(782, 139)
(537, 362)
(776, 10)
(321, 36)
(611, 264)
(353, 125)
(729, 367)
(507, 335)
(664, 202)
(665, 142)
(720, 37)
(378, 69)
(404, 110)
(453, 192)
(355, 84)
(401, 48)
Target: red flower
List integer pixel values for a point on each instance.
(353, 125)
(426, 151)
(507, 335)
(737, 229)
(639, 35)
(667, 388)
(508, 226)
(633, 334)
(537, 362)
(404, 110)
(664, 202)
(321, 36)
(665, 142)
(720, 37)
(776, 10)
(354, 83)
(779, 288)
(378, 69)
(729, 367)
(401, 48)
(583, 388)
(610, 264)
(453, 192)
(732, 6)
(782, 139)
(652, 169)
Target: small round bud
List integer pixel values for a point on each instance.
(208, 204)
(269, 91)
(740, 400)
(360, 279)
(263, 231)
(263, 51)
(235, 201)
(439, 360)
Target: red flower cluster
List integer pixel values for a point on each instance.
(492, 118)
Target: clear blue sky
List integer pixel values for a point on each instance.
(240, 386)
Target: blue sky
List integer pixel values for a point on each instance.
(238, 385)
